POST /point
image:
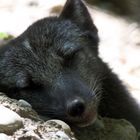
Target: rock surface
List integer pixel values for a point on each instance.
(4, 137)
(112, 130)
(23, 103)
(37, 129)
(42, 130)
(25, 112)
(33, 126)
(65, 127)
(9, 121)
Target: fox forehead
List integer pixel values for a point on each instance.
(53, 27)
(55, 34)
(51, 33)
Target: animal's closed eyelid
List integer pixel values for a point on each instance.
(71, 48)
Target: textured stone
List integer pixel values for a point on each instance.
(49, 130)
(12, 104)
(62, 135)
(4, 137)
(24, 103)
(64, 126)
(103, 129)
(113, 129)
(9, 120)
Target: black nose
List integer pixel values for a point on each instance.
(76, 107)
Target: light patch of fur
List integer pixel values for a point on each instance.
(27, 45)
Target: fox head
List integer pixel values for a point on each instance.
(54, 65)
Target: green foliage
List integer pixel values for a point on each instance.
(4, 35)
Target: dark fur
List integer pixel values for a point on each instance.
(55, 61)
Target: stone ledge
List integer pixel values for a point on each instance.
(34, 127)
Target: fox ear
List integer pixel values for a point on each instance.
(76, 11)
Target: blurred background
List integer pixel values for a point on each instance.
(117, 21)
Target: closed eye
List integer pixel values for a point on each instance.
(70, 58)
(69, 50)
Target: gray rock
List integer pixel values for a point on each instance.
(12, 104)
(62, 135)
(103, 129)
(64, 126)
(112, 129)
(24, 103)
(42, 131)
(9, 121)
(4, 137)
(35, 128)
